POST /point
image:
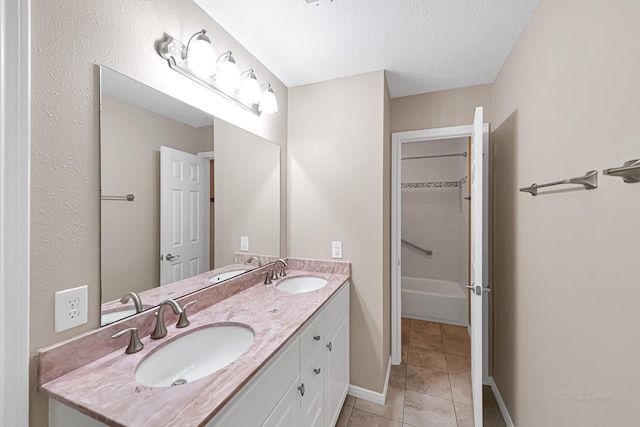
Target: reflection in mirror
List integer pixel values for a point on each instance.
(163, 234)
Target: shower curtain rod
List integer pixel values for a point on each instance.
(438, 155)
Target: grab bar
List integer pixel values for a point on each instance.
(629, 172)
(128, 197)
(589, 181)
(425, 251)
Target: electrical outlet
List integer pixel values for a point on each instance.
(336, 250)
(244, 243)
(70, 308)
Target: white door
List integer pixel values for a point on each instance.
(477, 288)
(183, 198)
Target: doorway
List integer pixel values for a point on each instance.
(478, 178)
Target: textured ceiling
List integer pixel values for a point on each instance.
(424, 45)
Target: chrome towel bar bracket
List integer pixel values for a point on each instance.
(589, 180)
(629, 172)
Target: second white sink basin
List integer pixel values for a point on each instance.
(194, 355)
(300, 284)
(224, 276)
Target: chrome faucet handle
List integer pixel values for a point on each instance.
(274, 275)
(283, 264)
(183, 322)
(135, 345)
(267, 277)
(137, 302)
(160, 330)
(256, 259)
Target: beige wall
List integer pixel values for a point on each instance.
(565, 271)
(131, 138)
(336, 181)
(68, 39)
(247, 193)
(453, 107)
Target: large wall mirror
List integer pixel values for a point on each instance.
(180, 191)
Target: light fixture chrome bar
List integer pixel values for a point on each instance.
(172, 50)
(589, 180)
(428, 252)
(629, 172)
(435, 156)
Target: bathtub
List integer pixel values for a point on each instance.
(434, 300)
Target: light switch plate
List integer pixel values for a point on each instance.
(336, 250)
(70, 308)
(244, 243)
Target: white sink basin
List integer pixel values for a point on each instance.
(114, 316)
(224, 276)
(300, 284)
(194, 355)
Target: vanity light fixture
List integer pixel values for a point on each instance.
(227, 77)
(221, 75)
(249, 90)
(199, 54)
(268, 101)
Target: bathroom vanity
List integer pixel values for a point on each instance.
(295, 373)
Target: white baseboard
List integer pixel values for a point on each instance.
(501, 405)
(370, 395)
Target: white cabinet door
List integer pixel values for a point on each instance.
(288, 412)
(337, 365)
(312, 376)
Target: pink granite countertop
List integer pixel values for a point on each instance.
(106, 390)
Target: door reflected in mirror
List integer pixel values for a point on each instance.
(179, 189)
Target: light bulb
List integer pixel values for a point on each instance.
(250, 89)
(268, 102)
(227, 76)
(201, 58)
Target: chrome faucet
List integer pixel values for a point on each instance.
(256, 259)
(160, 330)
(283, 264)
(137, 302)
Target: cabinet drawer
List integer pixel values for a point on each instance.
(334, 309)
(312, 337)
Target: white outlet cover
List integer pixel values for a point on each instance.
(336, 250)
(244, 243)
(70, 308)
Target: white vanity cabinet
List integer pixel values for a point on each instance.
(306, 383)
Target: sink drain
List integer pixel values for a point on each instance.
(179, 382)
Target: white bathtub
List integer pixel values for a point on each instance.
(434, 300)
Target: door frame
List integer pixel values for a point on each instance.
(15, 152)
(397, 139)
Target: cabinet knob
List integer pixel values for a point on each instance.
(330, 346)
(301, 389)
(316, 337)
(316, 371)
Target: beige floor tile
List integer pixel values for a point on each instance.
(392, 409)
(425, 327)
(366, 419)
(406, 324)
(464, 414)
(427, 341)
(461, 388)
(405, 337)
(345, 414)
(435, 383)
(456, 346)
(350, 400)
(398, 375)
(458, 364)
(423, 410)
(405, 353)
(458, 332)
(427, 359)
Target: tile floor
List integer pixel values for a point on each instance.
(432, 387)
